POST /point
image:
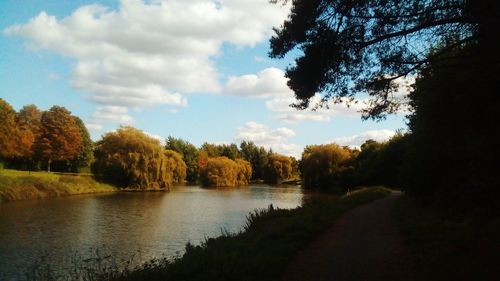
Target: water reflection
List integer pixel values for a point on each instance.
(155, 223)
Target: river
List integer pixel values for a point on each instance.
(142, 225)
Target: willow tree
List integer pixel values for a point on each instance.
(222, 171)
(59, 138)
(323, 166)
(133, 159)
(279, 168)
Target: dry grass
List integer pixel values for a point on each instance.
(21, 185)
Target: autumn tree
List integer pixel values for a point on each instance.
(353, 47)
(189, 154)
(279, 168)
(324, 166)
(8, 131)
(59, 138)
(83, 160)
(133, 159)
(29, 126)
(224, 172)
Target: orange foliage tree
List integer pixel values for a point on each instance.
(8, 131)
(29, 125)
(59, 138)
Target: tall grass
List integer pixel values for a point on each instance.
(19, 185)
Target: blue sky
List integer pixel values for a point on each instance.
(191, 69)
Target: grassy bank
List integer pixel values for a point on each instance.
(19, 185)
(449, 249)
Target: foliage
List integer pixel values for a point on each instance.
(382, 163)
(131, 158)
(324, 166)
(176, 165)
(257, 156)
(222, 171)
(454, 150)
(189, 154)
(352, 47)
(8, 131)
(60, 136)
(279, 168)
(29, 126)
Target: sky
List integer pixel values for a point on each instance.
(193, 69)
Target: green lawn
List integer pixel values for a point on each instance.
(19, 185)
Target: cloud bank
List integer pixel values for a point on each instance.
(150, 53)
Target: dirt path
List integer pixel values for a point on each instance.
(362, 245)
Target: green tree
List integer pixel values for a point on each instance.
(59, 138)
(85, 158)
(454, 125)
(189, 154)
(325, 166)
(279, 168)
(131, 158)
(257, 156)
(350, 47)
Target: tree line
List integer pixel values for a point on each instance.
(32, 139)
(56, 140)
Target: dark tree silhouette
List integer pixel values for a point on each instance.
(351, 47)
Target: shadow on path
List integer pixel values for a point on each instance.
(363, 245)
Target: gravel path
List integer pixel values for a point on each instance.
(363, 245)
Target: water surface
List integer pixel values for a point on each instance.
(145, 225)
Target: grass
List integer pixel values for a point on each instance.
(449, 249)
(20, 185)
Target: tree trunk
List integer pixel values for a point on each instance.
(48, 165)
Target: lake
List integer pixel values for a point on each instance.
(145, 225)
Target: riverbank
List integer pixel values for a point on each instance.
(261, 251)
(22, 185)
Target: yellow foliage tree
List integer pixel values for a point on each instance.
(279, 167)
(134, 159)
(324, 165)
(222, 171)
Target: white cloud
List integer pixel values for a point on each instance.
(275, 139)
(157, 137)
(268, 83)
(271, 83)
(358, 139)
(109, 114)
(150, 53)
